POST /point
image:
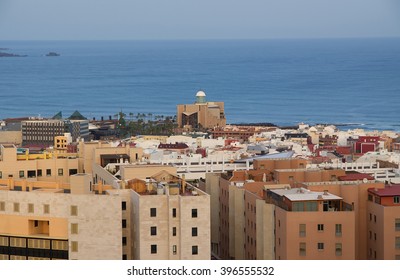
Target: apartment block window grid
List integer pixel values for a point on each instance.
(320, 227)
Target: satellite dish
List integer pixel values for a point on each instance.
(365, 180)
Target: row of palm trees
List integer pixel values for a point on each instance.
(142, 123)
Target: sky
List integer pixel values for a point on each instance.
(196, 19)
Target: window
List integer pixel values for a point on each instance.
(46, 208)
(338, 229)
(48, 172)
(302, 230)
(174, 249)
(60, 172)
(338, 249)
(302, 248)
(124, 241)
(194, 213)
(153, 249)
(320, 246)
(31, 173)
(153, 230)
(36, 223)
(397, 224)
(39, 172)
(375, 218)
(2, 206)
(74, 246)
(123, 223)
(174, 212)
(31, 208)
(153, 212)
(74, 210)
(123, 205)
(1, 174)
(370, 216)
(374, 236)
(73, 172)
(369, 197)
(16, 207)
(124, 257)
(397, 240)
(195, 250)
(21, 174)
(370, 234)
(320, 227)
(174, 231)
(396, 199)
(194, 231)
(74, 228)
(297, 206)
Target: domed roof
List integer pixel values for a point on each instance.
(200, 93)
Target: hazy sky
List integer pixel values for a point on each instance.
(196, 19)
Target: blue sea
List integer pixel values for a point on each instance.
(284, 81)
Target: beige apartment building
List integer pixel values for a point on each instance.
(53, 223)
(171, 219)
(201, 114)
(50, 167)
(115, 217)
(383, 219)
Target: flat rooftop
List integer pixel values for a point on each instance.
(301, 194)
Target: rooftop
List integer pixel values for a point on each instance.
(302, 194)
(390, 190)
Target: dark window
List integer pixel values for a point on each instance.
(124, 257)
(174, 212)
(48, 172)
(124, 241)
(31, 173)
(194, 213)
(124, 223)
(154, 249)
(153, 212)
(36, 223)
(153, 230)
(60, 172)
(194, 231)
(21, 174)
(123, 205)
(195, 250)
(39, 172)
(174, 231)
(73, 172)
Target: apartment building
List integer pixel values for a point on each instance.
(354, 193)
(19, 163)
(383, 223)
(171, 219)
(312, 225)
(45, 221)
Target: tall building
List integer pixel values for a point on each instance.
(201, 114)
(312, 225)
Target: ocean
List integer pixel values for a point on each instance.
(351, 82)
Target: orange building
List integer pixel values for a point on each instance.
(326, 231)
(384, 223)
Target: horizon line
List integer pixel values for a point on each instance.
(212, 39)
